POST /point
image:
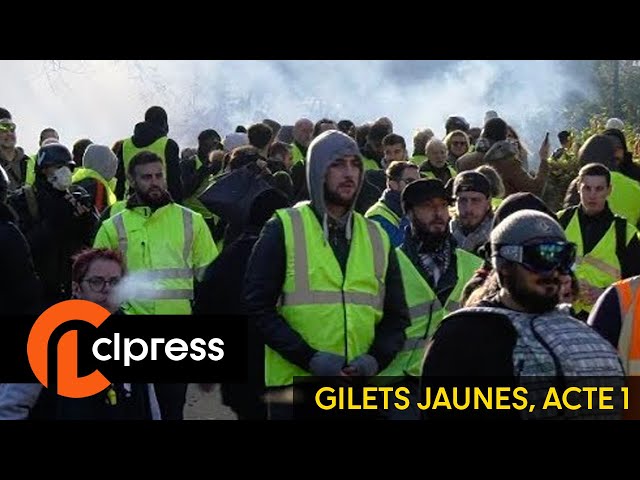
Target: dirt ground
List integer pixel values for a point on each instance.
(205, 405)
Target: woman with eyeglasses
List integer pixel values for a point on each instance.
(457, 143)
(95, 274)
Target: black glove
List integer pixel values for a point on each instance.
(366, 365)
(326, 364)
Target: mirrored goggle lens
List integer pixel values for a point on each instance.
(547, 257)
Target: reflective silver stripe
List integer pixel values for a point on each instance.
(303, 295)
(414, 343)
(164, 294)
(600, 265)
(187, 222)
(327, 298)
(378, 250)
(300, 261)
(424, 308)
(420, 309)
(163, 273)
(118, 222)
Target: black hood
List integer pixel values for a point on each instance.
(6, 214)
(146, 133)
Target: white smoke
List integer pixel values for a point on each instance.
(132, 286)
(103, 100)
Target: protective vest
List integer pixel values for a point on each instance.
(30, 174)
(418, 159)
(296, 154)
(129, 150)
(331, 311)
(425, 311)
(169, 247)
(495, 202)
(553, 349)
(370, 164)
(624, 197)
(601, 266)
(118, 207)
(629, 342)
(381, 209)
(430, 174)
(83, 172)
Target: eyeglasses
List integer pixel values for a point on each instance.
(7, 127)
(543, 257)
(97, 284)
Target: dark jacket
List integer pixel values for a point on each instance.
(144, 134)
(20, 289)
(54, 236)
(373, 186)
(221, 293)
(193, 176)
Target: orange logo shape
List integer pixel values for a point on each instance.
(69, 384)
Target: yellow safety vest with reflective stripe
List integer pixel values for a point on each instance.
(425, 311)
(30, 174)
(370, 164)
(171, 246)
(381, 209)
(495, 202)
(81, 173)
(117, 207)
(332, 312)
(129, 150)
(429, 174)
(296, 154)
(600, 267)
(418, 159)
(629, 341)
(624, 198)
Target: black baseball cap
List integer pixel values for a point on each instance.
(423, 190)
(470, 181)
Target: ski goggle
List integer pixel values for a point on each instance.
(542, 257)
(7, 127)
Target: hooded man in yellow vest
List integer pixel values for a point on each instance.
(323, 285)
(151, 136)
(99, 166)
(608, 245)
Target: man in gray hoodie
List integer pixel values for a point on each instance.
(323, 286)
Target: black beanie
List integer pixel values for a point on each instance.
(495, 130)
(520, 201)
